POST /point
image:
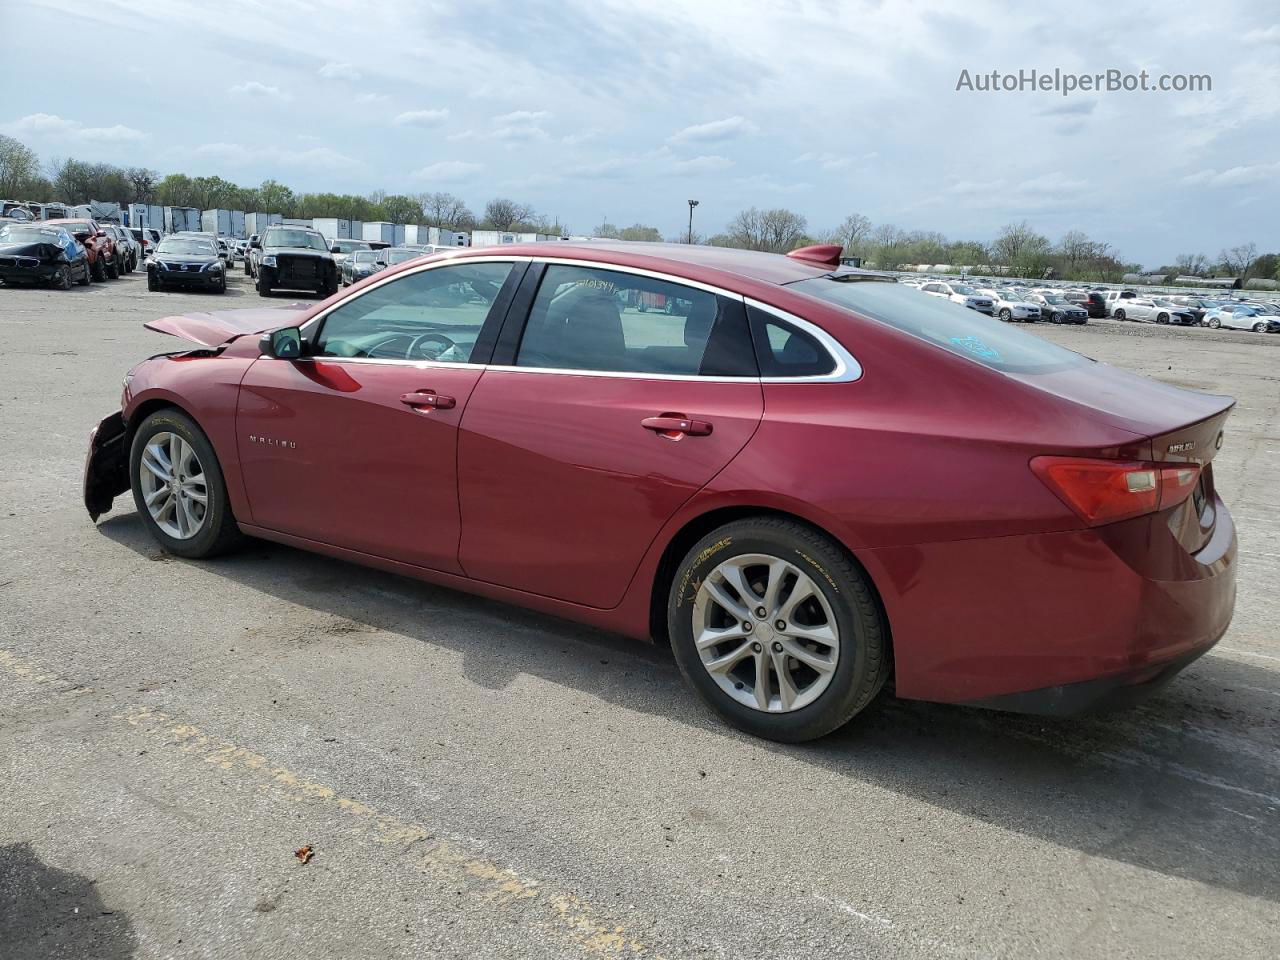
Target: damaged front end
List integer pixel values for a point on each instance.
(106, 467)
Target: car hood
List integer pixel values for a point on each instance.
(296, 252)
(45, 251)
(187, 257)
(217, 327)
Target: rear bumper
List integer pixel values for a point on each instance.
(1055, 623)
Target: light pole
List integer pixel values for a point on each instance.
(692, 204)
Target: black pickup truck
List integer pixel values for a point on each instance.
(295, 258)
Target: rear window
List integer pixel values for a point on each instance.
(944, 324)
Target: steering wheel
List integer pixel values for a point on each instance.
(418, 341)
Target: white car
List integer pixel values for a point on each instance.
(1010, 306)
(962, 294)
(1242, 316)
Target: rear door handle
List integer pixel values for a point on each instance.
(673, 426)
(428, 398)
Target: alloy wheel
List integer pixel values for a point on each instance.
(766, 633)
(174, 487)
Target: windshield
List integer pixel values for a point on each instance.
(179, 247)
(400, 256)
(11, 233)
(945, 325)
(295, 238)
(347, 246)
(1052, 299)
(364, 256)
(964, 291)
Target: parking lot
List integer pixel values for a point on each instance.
(476, 780)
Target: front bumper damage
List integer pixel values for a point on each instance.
(106, 466)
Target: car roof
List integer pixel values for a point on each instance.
(751, 264)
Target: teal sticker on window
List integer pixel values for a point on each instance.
(976, 347)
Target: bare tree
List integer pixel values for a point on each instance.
(776, 231)
(852, 233)
(502, 214)
(1018, 243)
(1191, 264)
(19, 167)
(142, 184)
(445, 210)
(1238, 260)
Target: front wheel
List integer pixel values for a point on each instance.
(98, 269)
(1259, 327)
(777, 629)
(1005, 314)
(1119, 314)
(62, 279)
(113, 269)
(85, 277)
(178, 487)
(1162, 318)
(1214, 323)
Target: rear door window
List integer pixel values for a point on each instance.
(587, 318)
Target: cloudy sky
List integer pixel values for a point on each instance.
(625, 109)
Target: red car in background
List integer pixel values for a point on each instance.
(807, 479)
(103, 262)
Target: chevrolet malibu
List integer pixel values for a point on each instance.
(807, 479)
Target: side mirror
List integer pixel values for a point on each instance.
(256, 244)
(381, 263)
(283, 344)
(100, 233)
(335, 249)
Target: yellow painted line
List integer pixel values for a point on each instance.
(443, 859)
(556, 912)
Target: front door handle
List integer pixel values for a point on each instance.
(674, 426)
(428, 398)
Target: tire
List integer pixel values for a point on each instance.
(99, 270)
(247, 271)
(1214, 323)
(1162, 318)
(62, 280)
(152, 283)
(264, 285)
(1005, 314)
(1259, 328)
(1119, 314)
(222, 287)
(216, 531)
(86, 278)
(113, 269)
(843, 599)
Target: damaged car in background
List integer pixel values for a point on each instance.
(42, 254)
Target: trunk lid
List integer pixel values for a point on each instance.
(216, 327)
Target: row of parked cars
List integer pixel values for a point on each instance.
(1018, 303)
(63, 252)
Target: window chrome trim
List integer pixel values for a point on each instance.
(847, 368)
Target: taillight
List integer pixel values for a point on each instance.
(1104, 491)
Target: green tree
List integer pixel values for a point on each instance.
(19, 168)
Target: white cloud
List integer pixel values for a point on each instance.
(771, 184)
(339, 71)
(585, 136)
(321, 158)
(371, 98)
(52, 125)
(421, 118)
(1069, 108)
(614, 168)
(827, 161)
(1235, 176)
(446, 170)
(704, 164)
(726, 129)
(519, 132)
(522, 116)
(1269, 34)
(252, 88)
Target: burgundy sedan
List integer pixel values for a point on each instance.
(806, 478)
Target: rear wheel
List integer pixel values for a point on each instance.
(178, 486)
(777, 629)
